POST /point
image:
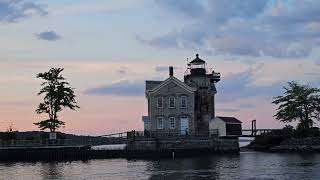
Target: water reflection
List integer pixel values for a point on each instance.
(248, 165)
(192, 168)
(52, 170)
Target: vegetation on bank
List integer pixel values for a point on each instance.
(9, 134)
(57, 96)
(280, 137)
(67, 139)
(301, 104)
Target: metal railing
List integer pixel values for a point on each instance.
(35, 143)
(207, 70)
(256, 132)
(172, 134)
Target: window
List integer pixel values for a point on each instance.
(160, 102)
(172, 102)
(160, 122)
(172, 122)
(146, 125)
(184, 102)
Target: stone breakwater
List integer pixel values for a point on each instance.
(184, 145)
(310, 144)
(135, 148)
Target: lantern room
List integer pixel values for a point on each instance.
(197, 66)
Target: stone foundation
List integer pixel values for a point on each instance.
(210, 145)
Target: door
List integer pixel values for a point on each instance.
(184, 125)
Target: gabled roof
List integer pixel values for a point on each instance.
(169, 80)
(232, 120)
(152, 84)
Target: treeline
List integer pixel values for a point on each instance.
(40, 135)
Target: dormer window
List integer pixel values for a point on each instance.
(184, 102)
(172, 102)
(160, 102)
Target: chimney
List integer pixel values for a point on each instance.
(170, 71)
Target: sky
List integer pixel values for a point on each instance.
(108, 49)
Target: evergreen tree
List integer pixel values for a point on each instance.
(57, 96)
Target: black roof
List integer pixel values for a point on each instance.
(229, 119)
(197, 60)
(152, 84)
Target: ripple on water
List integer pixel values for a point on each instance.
(248, 165)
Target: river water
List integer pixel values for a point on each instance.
(246, 165)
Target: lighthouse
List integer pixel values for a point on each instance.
(204, 81)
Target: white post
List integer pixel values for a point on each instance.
(52, 135)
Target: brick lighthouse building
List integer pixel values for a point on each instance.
(182, 107)
(199, 77)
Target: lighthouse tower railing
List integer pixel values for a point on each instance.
(208, 71)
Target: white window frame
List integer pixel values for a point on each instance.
(158, 98)
(174, 102)
(186, 100)
(172, 119)
(146, 125)
(160, 125)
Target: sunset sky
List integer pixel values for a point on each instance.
(110, 47)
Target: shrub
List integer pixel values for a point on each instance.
(307, 132)
(9, 135)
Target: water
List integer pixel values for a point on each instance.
(244, 141)
(246, 165)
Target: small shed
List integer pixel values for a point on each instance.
(226, 126)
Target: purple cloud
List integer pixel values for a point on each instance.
(15, 10)
(121, 88)
(243, 28)
(48, 36)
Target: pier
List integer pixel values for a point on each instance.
(134, 144)
(253, 132)
(137, 144)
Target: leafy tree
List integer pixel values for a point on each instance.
(299, 103)
(57, 96)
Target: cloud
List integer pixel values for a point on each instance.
(161, 68)
(239, 85)
(77, 7)
(121, 88)
(279, 29)
(122, 71)
(48, 36)
(15, 10)
(165, 68)
(312, 74)
(227, 110)
(246, 106)
(189, 9)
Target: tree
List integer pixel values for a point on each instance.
(299, 103)
(57, 96)
(10, 134)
